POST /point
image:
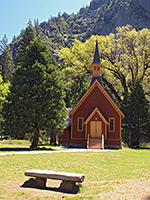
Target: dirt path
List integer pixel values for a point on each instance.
(130, 190)
(125, 190)
(60, 150)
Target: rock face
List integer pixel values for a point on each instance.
(120, 13)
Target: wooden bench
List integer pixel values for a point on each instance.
(68, 183)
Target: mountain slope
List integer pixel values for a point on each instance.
(100, 17)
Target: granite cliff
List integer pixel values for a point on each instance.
(122, 12)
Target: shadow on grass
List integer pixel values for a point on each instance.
(140, 148)
(31, 183)
(3, 149)
(148, 148)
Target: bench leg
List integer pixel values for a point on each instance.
(68, 186)
(41, 182)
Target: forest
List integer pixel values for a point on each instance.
(37, 83)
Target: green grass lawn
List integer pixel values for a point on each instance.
(104, 172)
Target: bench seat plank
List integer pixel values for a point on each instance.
(66, 176)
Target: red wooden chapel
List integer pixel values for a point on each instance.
(95, 121)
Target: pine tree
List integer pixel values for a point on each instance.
(6, 64)
(6, 60)
(27, 36)
(136, 116)
(125, 121)
(36, 98)
(3, 44)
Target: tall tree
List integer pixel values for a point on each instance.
(125, 122)
(28, 35)
(136, 123)
(3, 44)
(35, 101)
(6, 61)
(6, 64)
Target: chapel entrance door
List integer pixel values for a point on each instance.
(96, 129)
(95, 137)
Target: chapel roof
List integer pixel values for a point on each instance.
(106, 95)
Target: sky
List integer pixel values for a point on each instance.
(15, 14)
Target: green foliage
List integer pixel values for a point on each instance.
(35, 101)
(6, 61)
(3, 90)
(124, 56)
(3, 93)
(37, 51)
(76, 70)
(6, 64)
(28, 35)
(136, 122)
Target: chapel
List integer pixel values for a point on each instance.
(95, 121)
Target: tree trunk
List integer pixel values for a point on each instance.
(130, 138)
(112, 89)
(36, 138)
(138, 139)
(53, 139)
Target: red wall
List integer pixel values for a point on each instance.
(95, 99)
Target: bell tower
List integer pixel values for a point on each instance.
(96, 67)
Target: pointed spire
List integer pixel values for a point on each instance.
(96, 66)
(96, 55)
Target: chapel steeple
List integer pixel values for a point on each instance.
(96, 67)
(96, 55)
